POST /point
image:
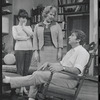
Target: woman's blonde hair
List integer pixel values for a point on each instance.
(47, 10)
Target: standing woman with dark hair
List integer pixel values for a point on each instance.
(23, 45)
(48, 38)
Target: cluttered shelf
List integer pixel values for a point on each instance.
(74, 13)
(3, 34)
(6, 13)
(73, 7)
(5, 9)
(72, 4)
(6, 4)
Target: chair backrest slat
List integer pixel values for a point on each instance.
(91, 47)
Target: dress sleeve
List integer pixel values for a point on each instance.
(60, 37)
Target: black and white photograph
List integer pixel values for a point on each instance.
(50, 50)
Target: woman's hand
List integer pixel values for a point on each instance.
(59, 55)
(36, 55)
(24, 24)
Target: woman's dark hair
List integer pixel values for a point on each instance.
(22, 13)
(80, 35)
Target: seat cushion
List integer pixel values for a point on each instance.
(61, 90)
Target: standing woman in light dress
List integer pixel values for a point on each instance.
(22, 35)
(48, 38)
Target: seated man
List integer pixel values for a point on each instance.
(74, 61)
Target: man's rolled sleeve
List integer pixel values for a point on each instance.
(81, 60)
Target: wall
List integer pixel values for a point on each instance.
(29, 4)
(93, 20)
(22, 4)
(93, 27)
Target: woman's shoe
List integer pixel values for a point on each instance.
(20, 94)
(25, 93)
(31, 99)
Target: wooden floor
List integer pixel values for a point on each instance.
(89, 91)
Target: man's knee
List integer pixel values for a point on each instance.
(42, 74)
(37, 73)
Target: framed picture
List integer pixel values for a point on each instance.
(5, 25)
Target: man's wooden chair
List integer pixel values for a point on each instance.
(51, 91)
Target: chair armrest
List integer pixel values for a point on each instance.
(63, 72)
(70, 74)
(46, 85)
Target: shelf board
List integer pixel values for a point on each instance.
(3, 34)
(6, 4)
(6, 13)
(63, 29)
(72, 4)
(74, 13)
(34, 22)
(60, 21)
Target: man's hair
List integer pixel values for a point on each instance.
(22, 13)
(47, 10)
(80, 35)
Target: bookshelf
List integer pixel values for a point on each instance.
(36, 15)
(75, 14)
(5, 11)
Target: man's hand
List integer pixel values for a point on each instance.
(44, 66)
(55, 67)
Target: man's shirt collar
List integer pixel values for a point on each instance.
(75, 49)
